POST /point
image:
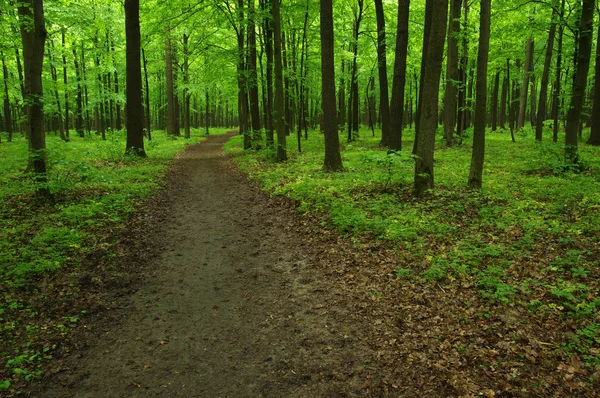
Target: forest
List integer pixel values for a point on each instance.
(455, 144)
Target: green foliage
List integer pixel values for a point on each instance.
(95, 187)
(528, 238)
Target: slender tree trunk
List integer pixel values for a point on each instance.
(545, 78)
(279, 94)
(353, 101)
(463, 75)
(342, 98)
(118, 122)
(34, 38)
(78, 98)
(579, 81)
(269, 55)
(452, 76)
(134, 107)
(429, 5)
(595, 118)
(85, 89)
(495, 101)
(384, 104)
(399, 82)
(171, 108)
(252, 76)
(478, 155)
(503, 99)
(186, 94)
(54, 75)
(148, 115)
(66, 83)
(525, 87)
(7, 119)
(428, 114)
(333, 160)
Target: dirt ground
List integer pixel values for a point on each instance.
(230, 306)
(218, 290)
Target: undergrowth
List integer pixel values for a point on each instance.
(529, 238)
(95, 188)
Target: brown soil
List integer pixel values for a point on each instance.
(222, 291)
(232, 306)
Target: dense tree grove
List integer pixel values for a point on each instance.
(263, 67)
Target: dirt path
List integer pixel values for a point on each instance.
(230, 307)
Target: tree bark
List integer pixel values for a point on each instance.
(450, 96)
(595, 118)
(147, 98)
(79, 98)
(545, 78)
(252, 76)
(133, 107)
(579, 82)
(429, 5)
(279, 94)
(525, 87)
(384, 104)
(66, 83)
(33, 36)
(186, 91)
(171, 108)
(399, 82)
(333, 159)
(7, 119)
(428, 115)
(495, 101)
(478, 155)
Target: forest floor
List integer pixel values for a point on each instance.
(218, 290)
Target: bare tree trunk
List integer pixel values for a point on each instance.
(477, 158)
(399, 82)
(333, 160)
(134, 107)
(545, 78)
(186, 94)
(54, 75)
(279, 94)
(595, 118)
(384, 102)
(495, 101)
(525, 87)
(171, 108)
(557, 83)
(579, 81)
(252, 76)
(66, 83)
(428, 114)
(148, 113)
(450, 96)
(34, 38)
(7, 119)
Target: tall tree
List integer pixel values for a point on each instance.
(450, 99)
(595, 128)
(384, 102)
(579, 81)
(525, 87)
(279, 94)
(428, 114)
(333, 159)
(476, 173)
(399, 82)
(7, 118)
(251, 73)
(545, 78)
(33, 36)
(134, 107)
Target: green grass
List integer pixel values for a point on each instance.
(530, 235)
(95, 188)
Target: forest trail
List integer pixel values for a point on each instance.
(229, 308)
